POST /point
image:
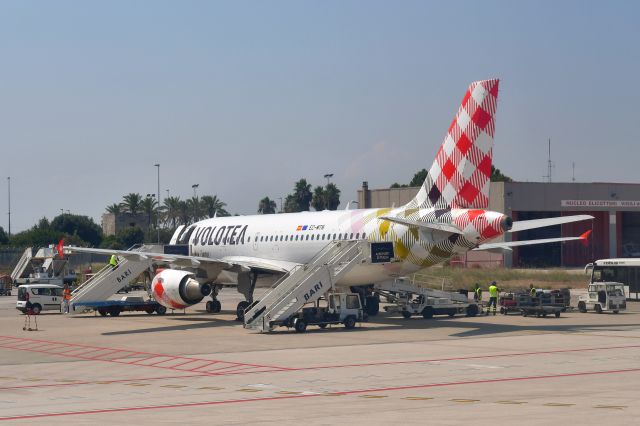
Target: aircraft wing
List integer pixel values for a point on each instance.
(442, 227)
(192, 261)
(523, 225)
(508, 244)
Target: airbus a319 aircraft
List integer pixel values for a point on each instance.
(447, 217)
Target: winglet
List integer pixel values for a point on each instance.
(585, 238)
(60, 248)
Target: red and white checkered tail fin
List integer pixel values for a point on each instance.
(460, 174)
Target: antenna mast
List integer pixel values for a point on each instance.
(549, 165)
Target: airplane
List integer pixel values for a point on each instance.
(447, 217)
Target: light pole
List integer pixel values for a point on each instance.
(158, 206)
(151, 196)
(9, 192)
(195, 201)
(280, 198)
(328, 177)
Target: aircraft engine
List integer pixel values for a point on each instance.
(178, 289)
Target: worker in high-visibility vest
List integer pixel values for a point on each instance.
(113, 261)
(66, 298)
(532, 290)
(477, 293)
(493, 297)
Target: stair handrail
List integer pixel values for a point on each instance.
(89, 283)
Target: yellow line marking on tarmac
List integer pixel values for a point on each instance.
(66, 380)
(102, 382)
(417, 398)
(557, 404)
(210, 388)
(464, 400)
(288, 393)
(33, 379)
(612, 407)
(173, 386)
(137, 384)
(6, 378)
(373, 396)
(250, 390)
(511, 402)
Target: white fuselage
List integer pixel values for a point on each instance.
(297, 237)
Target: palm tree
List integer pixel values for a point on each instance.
(114, 209)
(172, 211)
(184, 212)
(332, 196)
(195, 205)
(213, 206)
(132, 203)
(149, 208)
(302, 194)
(290, 204)
(318, 201)
(267, 206)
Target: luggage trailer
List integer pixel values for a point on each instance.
(409, 299)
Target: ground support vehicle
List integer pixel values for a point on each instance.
(603, 297)
(43, 297)
(540, 305)
(409, 299)
(342, 308)
(128, 303)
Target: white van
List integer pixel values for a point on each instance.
(43, 297)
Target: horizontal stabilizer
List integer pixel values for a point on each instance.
(523, 225)
(508, 244)
(442, 227)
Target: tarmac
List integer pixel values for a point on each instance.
(198, 368)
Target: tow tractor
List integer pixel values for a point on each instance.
(603, 297)
(342, 308)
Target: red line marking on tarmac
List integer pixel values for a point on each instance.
(169, 358)
(463, 358)
(136, 362)
(203, 366)
(348, 392)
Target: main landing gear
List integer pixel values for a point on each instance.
(214, 306)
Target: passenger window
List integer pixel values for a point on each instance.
(351, 236)
(286, 238)
(358, 236)
(312, 237)
(334, 236)
(307, 237)
(323, 236)
(364, 235)
(43, 292)
(249, 239)
(296, 238)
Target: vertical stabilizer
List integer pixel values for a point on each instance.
(460, 174)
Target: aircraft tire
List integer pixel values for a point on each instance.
(240, 310)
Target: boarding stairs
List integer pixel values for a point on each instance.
(305, 284)
(22, 264)
(107, 282)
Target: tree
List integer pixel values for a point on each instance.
(302, 194)
(195, 207)
(267, 206)
(318, 200)
(331, 196)
(290, 204)
(397, 185)
(148, 205)
(497, 176)
(184, 212)
(130, 236)
(172, 211)
(419, 178)
(114, 209)
(71, 224)
(4, 238)
(213, 206)
(132, 203)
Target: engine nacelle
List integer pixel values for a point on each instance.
(178, 289)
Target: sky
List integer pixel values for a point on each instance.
(246, 97)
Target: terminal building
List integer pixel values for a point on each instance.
(614, 206)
